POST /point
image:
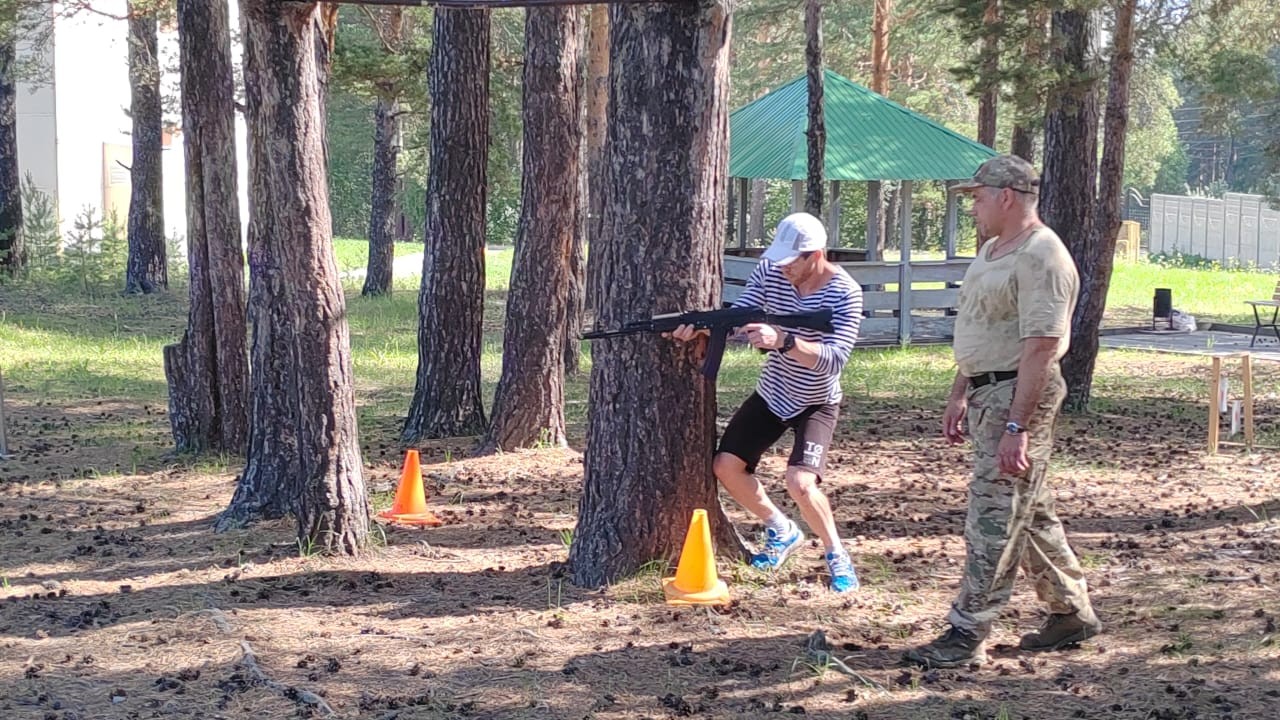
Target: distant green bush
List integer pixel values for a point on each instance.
(1191, 261)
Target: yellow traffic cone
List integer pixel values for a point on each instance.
(696, 581)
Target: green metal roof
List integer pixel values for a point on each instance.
(868, 137)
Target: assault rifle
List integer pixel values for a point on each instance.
(720, 323)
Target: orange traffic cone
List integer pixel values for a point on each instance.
(410, 507)
(696, 581)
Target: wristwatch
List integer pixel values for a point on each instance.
(788, 342)
(1014, 428)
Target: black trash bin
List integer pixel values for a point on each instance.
(1162, 308)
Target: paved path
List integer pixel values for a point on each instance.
(1195, 343)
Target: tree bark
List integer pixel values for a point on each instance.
(1023, 143)
(146, 270)
(880, 84)
(386, 151)
(528, 407)
(12, 246)
(208, 371)
(446, 401)
(1096, 259)
(1070, 144)
(571, 353)
(651, 422)
(817, 131)
(987, 78)
(304, 453)
(755, 220)
(597, 100)
(880, 46)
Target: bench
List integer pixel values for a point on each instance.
(1258, 324)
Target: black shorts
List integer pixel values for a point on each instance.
(754, 428)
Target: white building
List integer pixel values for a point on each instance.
(74, 124)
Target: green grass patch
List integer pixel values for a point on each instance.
(1212, 295)
(61, 348)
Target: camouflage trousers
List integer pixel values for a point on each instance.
(1011, 520)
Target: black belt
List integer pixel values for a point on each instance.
(992, 377)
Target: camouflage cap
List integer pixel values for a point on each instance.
(1004, 171)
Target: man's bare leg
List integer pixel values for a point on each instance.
(814, 507)
(742, 486)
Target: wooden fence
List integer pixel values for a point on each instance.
(896, 311)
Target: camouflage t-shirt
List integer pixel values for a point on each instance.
(1031, 292)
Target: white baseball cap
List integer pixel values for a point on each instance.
(797, 233)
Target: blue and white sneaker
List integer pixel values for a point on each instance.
(777, 548)
(843, 577)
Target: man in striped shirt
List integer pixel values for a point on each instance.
(799, 389)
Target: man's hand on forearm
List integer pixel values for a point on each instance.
(957, 409)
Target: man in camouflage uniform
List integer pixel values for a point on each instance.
(1012, 327)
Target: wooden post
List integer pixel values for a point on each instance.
(4, 442)
(744, 199)
(873, 220)
(797, 196)
(1215, 380)
(1246, 366)
(833, 216)
(730, 217)
(904, 261)
(950, 222)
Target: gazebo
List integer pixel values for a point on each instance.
(869, 139)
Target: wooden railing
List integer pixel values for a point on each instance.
(890, 316)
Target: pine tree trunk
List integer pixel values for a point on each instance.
(1096, 259)
(528, 408)
(597, 101)
(880, 23)
(386, 150)
(446, 401)
(880, 45)
(988, 71)
(146, 271)
(208, 371)
(889, 219)
(651, 423)
(304, 454)
(571, 353)
(12, 247)
(1023, 144)
(1070, 149)
(816, 134)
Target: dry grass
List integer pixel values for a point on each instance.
(119, 603)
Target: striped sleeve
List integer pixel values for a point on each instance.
(846, 317)
(754, 295)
